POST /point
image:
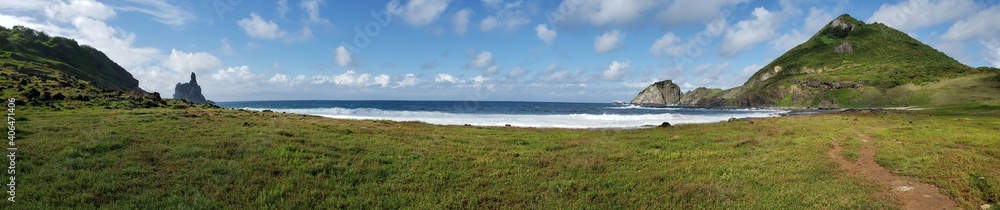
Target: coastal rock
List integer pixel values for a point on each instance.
(659, 94)
(190, 92)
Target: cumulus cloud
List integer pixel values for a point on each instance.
(915, 14)
(669, 44)
(982, 25)
(545, 34)
(343, 57)
(441, 78)
(114, 42)
(482, 61)
(257, 27)
(460, 21)
(747, 33)
(407, 81)
(418, 12)
(240, 74)
(615, 71)
(198, 62)
(609, 41)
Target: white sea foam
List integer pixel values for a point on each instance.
(539, 120)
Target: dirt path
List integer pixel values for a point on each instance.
(914, 195)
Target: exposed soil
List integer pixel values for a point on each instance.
(913, 195)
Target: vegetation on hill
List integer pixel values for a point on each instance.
(65, 55)
(854, 64)
(51, 72)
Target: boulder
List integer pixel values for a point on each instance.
(844, 48)
(190, 92)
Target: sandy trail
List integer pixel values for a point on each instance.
(913, 195)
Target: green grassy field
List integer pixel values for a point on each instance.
(198, 158)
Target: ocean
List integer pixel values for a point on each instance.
(500, 113)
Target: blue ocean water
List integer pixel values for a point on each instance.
(500, 113)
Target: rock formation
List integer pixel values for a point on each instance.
(190, 92)
(659, 94)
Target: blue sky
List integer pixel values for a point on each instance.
(492, 50)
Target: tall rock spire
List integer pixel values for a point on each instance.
(190, 91)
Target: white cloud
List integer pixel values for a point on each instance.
(312, 10)
(517, 72)
(747, 33)
(343, 57)
(460, 21)
(615, 71)
(915, 14)
(482, 61)
(993, 52)
(553, 74)
(198, 62)
(669, 44)
(601, 12)
(680, 12)
(507, 15)
(65, 12)
(480, 79)
(609, 41)
(489, 23)
(982, 25)
(545, 34)
(226, 48)
(114, 42)
(445, 78)
(162, 11)
(282, 10)
(418, 12)
(257, 27)
(381, 80)
(237, 74)
(816, 20)
(407, 81)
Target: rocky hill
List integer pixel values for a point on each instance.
(849, 63)
(58, 73)
(661, 93)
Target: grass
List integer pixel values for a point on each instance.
(201, 158)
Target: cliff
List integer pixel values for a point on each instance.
(659, 94)
(190, 92)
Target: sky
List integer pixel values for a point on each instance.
(488, 50)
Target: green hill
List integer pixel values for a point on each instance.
(57, 72)
(854, 64)
(65, 55)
